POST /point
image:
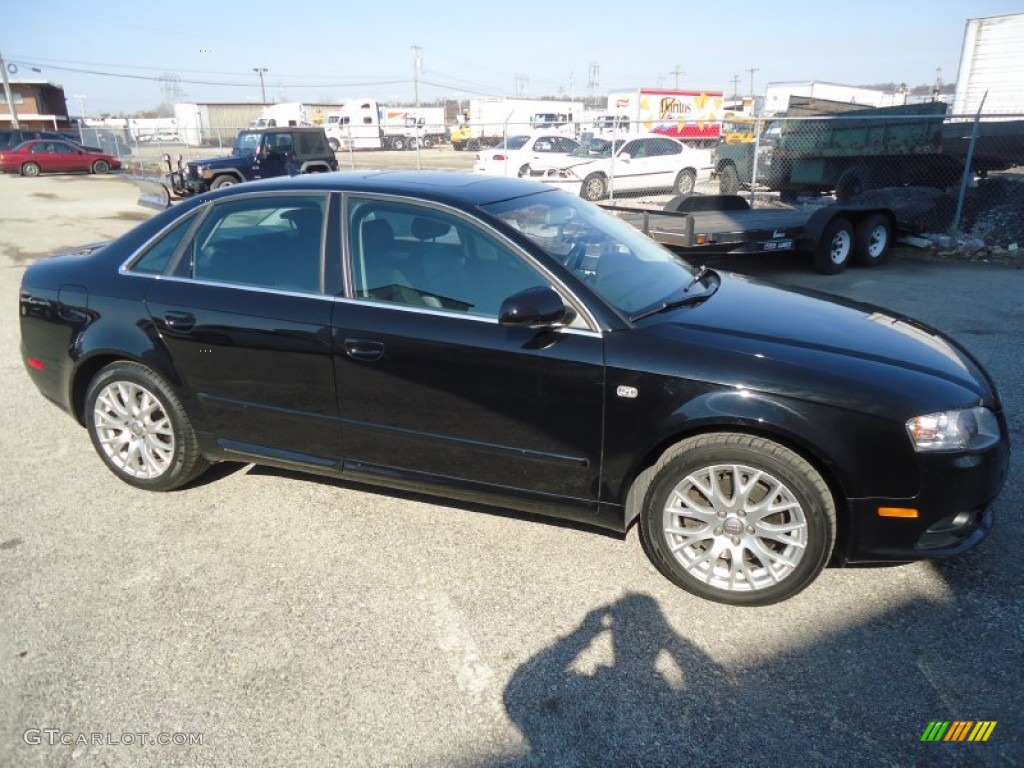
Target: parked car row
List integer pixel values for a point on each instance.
(599, 169)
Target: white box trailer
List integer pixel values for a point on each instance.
(491, 118)
(992, 62)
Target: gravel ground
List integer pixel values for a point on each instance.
(295, 621)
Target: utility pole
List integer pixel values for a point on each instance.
(521, 82)
(735, 88)
(417, 63)
(263, 91)
(752, 70)
(10, 98)
(677, 72)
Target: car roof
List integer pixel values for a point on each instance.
(440, 186)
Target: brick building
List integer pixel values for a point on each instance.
(39, 104)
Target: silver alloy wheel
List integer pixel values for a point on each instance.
(734, 527)
(133, 430)
(878, 240)
(839, 248)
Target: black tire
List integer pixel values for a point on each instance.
(728, 180)
(756, 564)
(473, 145)
(872, 240)
(594, 187)
(30, 169)
(685, 183)
(851, 183)
(223, 181)
(458, 146)
(523, 171)
(397, 143)
(163, 439)
(100, 166)
(334, 144)
(834, 250)
(427, 142)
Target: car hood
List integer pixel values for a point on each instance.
(849, 351)
(224, 161)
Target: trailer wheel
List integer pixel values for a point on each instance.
(728, 180)
(835, 248)
(872, 240)
(594, 188)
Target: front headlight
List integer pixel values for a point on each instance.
(970, 429)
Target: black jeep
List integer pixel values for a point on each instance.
(257, 154)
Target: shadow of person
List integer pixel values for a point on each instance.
(615, 689)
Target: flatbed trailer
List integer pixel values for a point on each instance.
(836, 235)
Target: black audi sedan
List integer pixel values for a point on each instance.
(499, 341)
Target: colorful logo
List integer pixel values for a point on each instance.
(958, 730)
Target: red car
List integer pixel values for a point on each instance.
(30, 158)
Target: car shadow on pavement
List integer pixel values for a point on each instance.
(860, 694)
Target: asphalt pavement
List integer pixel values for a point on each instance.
(261, 617)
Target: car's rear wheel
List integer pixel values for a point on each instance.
(737, 519)
(140, 429)
(595, 187)
(223, 181)
(334, 144)
(524, 171)
(30, 169)
(686, 181)
(100, 166)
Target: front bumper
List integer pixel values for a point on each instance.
(953, 510)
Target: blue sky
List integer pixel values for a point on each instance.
(328, 52)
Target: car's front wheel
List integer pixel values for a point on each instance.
(223, 181)
(737, 519)
(140, 429)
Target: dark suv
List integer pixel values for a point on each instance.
(258, 154)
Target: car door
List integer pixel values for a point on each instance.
(245, 320)
(431, 385)
(634, 172)
(70, 158)
(44, 155)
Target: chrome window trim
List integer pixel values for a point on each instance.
(246, 287)
(389, 305)
(348, 282)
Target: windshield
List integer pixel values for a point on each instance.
(513, 142)
(627, 269)
(246, 143)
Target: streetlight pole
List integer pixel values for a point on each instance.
(417, 63)
(80, 97)
(263, 91)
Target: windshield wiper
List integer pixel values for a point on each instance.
(697, 298)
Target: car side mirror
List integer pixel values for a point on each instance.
(540, 307)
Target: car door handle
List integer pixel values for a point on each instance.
(363, 349)
(180, 321)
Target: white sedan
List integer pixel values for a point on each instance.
(642, 163)
(516, 154)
